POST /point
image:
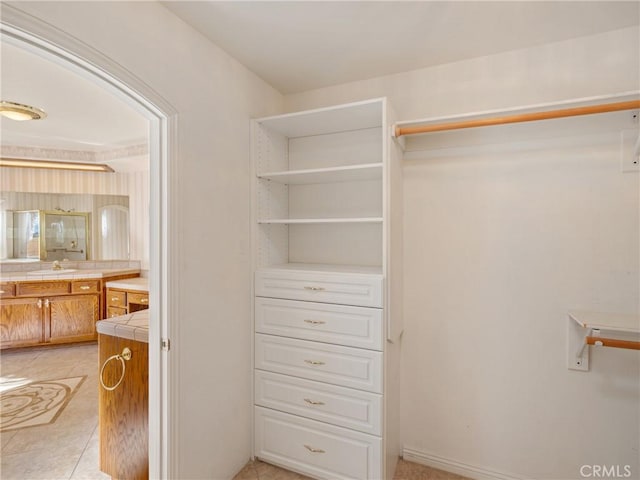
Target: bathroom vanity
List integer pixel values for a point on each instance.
(45, 307)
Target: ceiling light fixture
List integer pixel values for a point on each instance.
(29, 163)
(20, 112)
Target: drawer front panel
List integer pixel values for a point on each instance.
(7, 290)
(116, 299)
(85, 286)
(318, 449)
(115, 311)
(339, 324)
(139, 298)
(343, 289)
(43, 288)
(340, 406)
(345, 366)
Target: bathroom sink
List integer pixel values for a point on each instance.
(51, 271)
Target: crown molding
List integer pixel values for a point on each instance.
(38, 153)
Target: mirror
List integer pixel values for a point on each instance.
(43, 235)
(53, 226)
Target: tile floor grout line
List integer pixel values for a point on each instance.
(83, 452)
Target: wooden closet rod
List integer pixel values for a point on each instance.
(612, 342)
(522, 117)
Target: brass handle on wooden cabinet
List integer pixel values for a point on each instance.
(314, 450)
(313, 402)
(85, 287)
(314, 289)
(144, 300)
(314, 362)
(114, 299)
(39, 303)
(125, 355)
(315, 322)
(46, 303)
(1, 292)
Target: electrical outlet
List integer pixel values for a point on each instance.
(630, 150)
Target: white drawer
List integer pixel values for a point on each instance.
(316, 448)
(340, 324)
(346, 366)
(341, 288)
(340, 406)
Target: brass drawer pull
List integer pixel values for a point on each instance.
(314, 362)
(144, 300)
(115, 299)
(313, 402)
(314, 450)
(1, 292)
(85, 287)
(314, 289)
(46, 303)
(39, 303)
(315, 322)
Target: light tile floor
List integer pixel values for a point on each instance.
(257, 470)
(66, 449)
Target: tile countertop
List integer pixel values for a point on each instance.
(137, 284)
(134, 326)
(72, 274)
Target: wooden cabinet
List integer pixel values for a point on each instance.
(21, 322)
(327, 208)
(122, 301)
(48, 312)
(123, 411)
(72, 318)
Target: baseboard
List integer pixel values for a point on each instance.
(453, 466)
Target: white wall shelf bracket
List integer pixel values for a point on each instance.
(585, 328)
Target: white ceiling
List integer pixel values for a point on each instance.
(82, 116)
(298, 46)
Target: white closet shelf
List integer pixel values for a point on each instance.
(348, 173)
(618, 322)
(309, 221)
(352, 116)
(585, 328)
(326, 267)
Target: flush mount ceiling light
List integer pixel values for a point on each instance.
(20, 112)
(28, 163)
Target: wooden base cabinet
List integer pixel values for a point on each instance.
(49, 312)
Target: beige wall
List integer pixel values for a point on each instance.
(500, 242)
(214, 96)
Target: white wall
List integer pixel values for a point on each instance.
(215, 96)
(499, 244)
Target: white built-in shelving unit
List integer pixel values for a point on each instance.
(327, 307)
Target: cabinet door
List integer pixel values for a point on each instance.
(73, 318)
(21, 322)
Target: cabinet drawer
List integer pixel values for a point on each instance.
(345, 366)
(7, 290)
(340, 324)
(115, 311)
(340, 406)
(139, 298)
(85, 286)
(43, 288)
(316, 448)
(116, 299)
(341, 288)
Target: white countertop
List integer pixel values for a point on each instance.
(72, 274)
(134, 326)
(138, 284)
